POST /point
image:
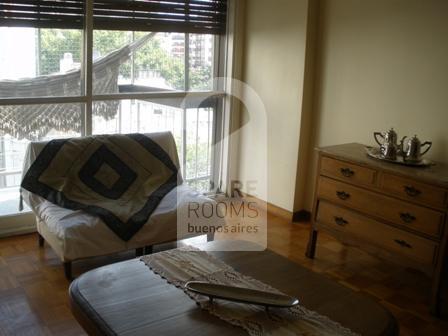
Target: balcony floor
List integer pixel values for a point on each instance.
(9, 201)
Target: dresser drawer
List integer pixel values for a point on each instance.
(347, 171)
(414, 191)
(408, 215)
(394, 240)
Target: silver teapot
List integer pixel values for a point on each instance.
(389, 147)
(412, 150)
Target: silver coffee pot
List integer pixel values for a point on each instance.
(412, 149)
(389, 147)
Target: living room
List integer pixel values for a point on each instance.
(275, 136)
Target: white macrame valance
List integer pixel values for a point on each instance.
(33, 122)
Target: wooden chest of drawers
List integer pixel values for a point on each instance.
(395, 211)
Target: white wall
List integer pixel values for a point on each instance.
(274, 67)
(382, 63)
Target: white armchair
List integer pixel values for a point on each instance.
(75, 234)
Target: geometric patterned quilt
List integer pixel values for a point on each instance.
(119, 178)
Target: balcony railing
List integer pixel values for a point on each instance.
(192, 129)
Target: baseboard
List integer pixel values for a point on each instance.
(279, 212)
(297, 216)
(17, 225)
(17, 232)
(271, 208)
(301, 216)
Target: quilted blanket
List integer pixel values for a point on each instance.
(119, 178)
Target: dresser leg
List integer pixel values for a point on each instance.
(311, 249)
(438, 306)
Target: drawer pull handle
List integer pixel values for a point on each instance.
(403, 243)
(347, 172)
(407, 217)
(340, 221)
(343, 195)
(412, 191)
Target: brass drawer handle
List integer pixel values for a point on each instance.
(403, 243)
(343, 195)
(340, 221)
(347, 172)
(412, 191)
(407, 217)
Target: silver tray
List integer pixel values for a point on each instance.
(241, 295)
(374, 152)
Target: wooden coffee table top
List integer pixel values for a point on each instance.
(128, 299)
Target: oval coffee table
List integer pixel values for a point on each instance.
(127, 298)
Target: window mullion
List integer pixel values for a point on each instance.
(87, 67)
(184, 112)
(187, 62)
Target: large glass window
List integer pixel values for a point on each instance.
(35, 123)
(202, 62)
(195, 145)
(139, 82)
(29, 55)
(156, 63)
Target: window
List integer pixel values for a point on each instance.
(142, 58)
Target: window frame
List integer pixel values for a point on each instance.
(86, 98)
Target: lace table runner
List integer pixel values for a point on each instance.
(190, 264)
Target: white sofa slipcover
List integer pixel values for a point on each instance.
(76, 235)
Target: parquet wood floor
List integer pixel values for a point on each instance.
(34, 299)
